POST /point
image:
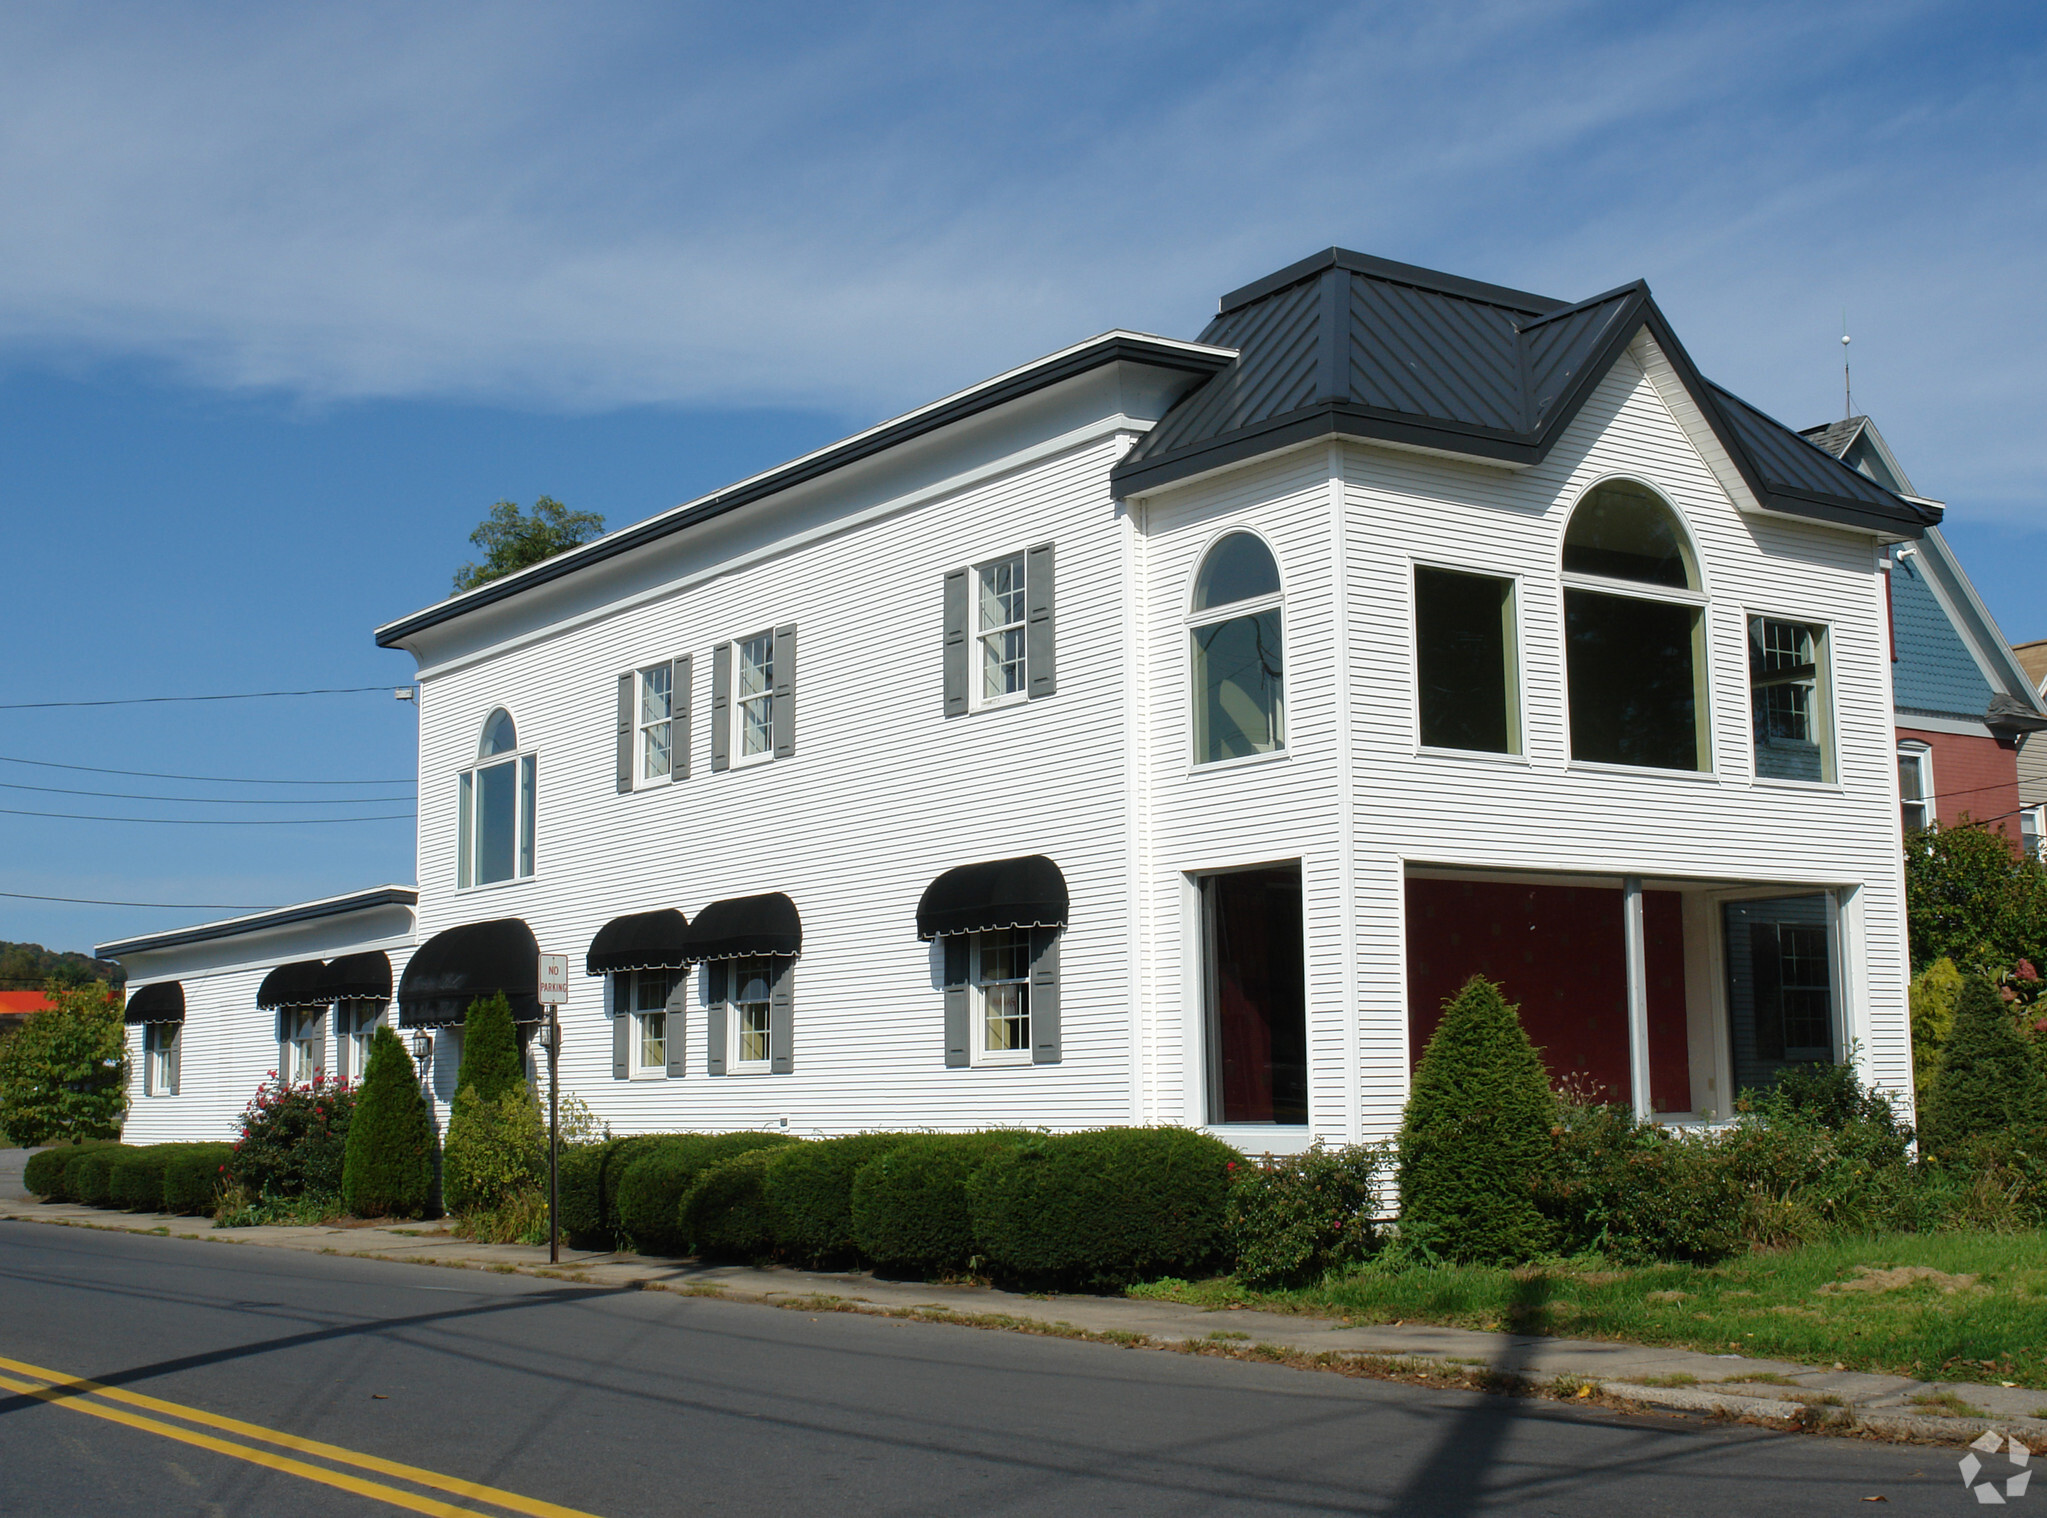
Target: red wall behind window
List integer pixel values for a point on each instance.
(1558, 952)
(1979, 776)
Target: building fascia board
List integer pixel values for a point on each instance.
(1198, 361)
(260, 922)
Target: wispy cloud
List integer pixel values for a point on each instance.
(854, 209)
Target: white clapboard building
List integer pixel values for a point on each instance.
(1158, 733)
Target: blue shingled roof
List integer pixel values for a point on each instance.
(1346, 344)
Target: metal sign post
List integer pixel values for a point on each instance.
(554, 990)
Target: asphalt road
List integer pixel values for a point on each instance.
(629, 1403)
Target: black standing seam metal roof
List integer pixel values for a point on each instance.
(1346, 344)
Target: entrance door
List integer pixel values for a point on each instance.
(1257, 996)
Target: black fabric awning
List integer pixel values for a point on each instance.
(743, 926)
(1000, 893)
(163, 1002)
(294, 985)
(358, 977)
(458, 965)
(642, 941)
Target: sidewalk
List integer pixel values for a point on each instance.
(1774, 1392)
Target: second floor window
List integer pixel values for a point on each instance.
(754, 698)
(494, 809)
(1787, 689)
(1239, 674)
(1915, 786)
(1464, 661)
(999, 619)
(656, 722)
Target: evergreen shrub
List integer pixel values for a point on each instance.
(580, 1193)
(1989, 1081)
(491, 1062)
(811, 1193)
(89, 1178)
(1291, 1218)
(496, 1152)
(911, 1207)
(1932, 996)
(727, 1214)
(44, 1173)
(135, 1180)
(1475, 1137)
(617, 1158)
(194, 1176)
(1105, 1207)
(659, 1176)
(388, 1160)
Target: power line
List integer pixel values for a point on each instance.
(58, 790)
(96, 769)
(182, 906)
(252, 695)
(213, 822)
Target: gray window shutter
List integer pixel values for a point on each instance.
(782, 1017)
(721, 710)
(956, 643)
(678, 1028)
(177, 1057)
(716, 1017)
(1040, 651)
(959, 1048)
(785, 690)
(1045, 996)
(625, 732)
(678, 731)
(322, 1056)
(621, 1029)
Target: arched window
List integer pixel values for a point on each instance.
(1239, 684)
(494, 808)
(1634, 632)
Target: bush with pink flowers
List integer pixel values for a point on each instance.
(294, 1138)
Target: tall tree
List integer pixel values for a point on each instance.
(511, 539)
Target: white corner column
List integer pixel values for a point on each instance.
(1638, 993)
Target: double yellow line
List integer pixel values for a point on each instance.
(113, 1403)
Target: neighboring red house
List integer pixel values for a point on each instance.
(15, 1007)
(1963, 706)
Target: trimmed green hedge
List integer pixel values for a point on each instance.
(193, 1176)
(581, 1191)
(911, 1208)
(1106, 1207)
(44, 1173)
(89, 1178)
(727, 1213)
(658, 1177)
(811, 1194)
(135, 1180)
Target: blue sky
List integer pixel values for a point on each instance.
(289, 296)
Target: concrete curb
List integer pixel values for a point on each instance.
(1420, 1352)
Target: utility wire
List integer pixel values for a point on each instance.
(182, 906)
(58, 790)
(213, 822)
(95, 769)
(252, 695)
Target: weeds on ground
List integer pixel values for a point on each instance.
(241, 1208)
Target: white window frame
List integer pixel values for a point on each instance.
(644, 726)
(525, 809)
(735, 1062)
(637, 1065)
(978, 987)
(1822, 690)
(978, 696)
(1194, 621)
(1921, 756)
(159, 1057)
(355, 1025)
(1517, 670)
(736, 745)
(2033, 831)
(1706, 736)
(295, 1047)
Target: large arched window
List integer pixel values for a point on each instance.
(494, 815)
(1634, 639)
(1239, 683)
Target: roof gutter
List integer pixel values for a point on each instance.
(280, 917)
